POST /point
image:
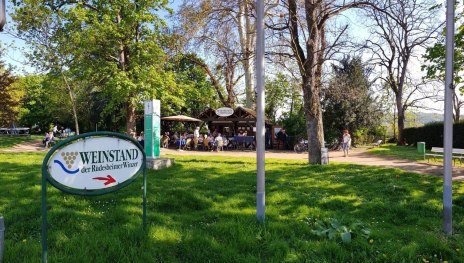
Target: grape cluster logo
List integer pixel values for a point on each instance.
(69, 158)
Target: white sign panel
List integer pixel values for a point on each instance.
(95, 163)
(224, 112)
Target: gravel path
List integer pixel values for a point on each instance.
(357, 156)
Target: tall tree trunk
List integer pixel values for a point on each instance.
(73, 102)
(246, 35)
(123, 63)
(130, 120)
(399, 106)
(313, 116)
(457, 107)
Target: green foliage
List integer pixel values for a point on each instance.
(203, 210)
(435, 56)
(278, 91)
(294, 123)
(332, 229)
(193, 87)
(401, 152)
(348, 103)
(112, 48)
(10, 97)
(432, 135)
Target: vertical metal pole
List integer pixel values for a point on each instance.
(2, 237)
(144, 204)
(448, 123)
(44, 218)
(260, 129)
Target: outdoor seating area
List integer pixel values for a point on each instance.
(14, 131)
(212, 142)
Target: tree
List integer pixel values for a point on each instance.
(195, 89)
(304, 26)
(400, 28)
(348, 101)
(10, 98)
(225, 29)
(435, 68)
(114, 45)
(277, 92)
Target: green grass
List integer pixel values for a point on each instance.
(402, 152)
(203, 210)
(10, 141)
(408, 153)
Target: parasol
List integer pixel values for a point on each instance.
(181, 118)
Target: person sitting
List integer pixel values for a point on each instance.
(282, 139)
(49, 139)
(219, 142)
(211, 141)
(141, 138)
(46, 139)
(165, 140)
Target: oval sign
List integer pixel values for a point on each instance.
(94, 163)
(224, 112)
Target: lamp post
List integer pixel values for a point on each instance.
(448, 122)
(260, 175)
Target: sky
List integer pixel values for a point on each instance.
(15, 57)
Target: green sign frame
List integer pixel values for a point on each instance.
(47, 178)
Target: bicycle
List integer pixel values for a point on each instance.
(301, 146)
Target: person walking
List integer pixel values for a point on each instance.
(346, 142)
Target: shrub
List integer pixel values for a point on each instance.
(432, 135)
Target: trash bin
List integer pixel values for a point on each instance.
(421, 147)
(2, 237)
(324, 156)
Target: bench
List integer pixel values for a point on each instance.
(377, 143)
(457, 154)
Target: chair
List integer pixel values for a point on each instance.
(165, 141)
(195, 143)
(377, 143)
(205, 144)
(220, 145)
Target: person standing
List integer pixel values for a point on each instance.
(196, 136)
(346, 142)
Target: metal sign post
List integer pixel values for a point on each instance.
(152, 128)
(92, 164)
(448, 122)
(260, 150)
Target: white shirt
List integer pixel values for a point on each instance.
(346, 138)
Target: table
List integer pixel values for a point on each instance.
(246, 141)
(14, 131)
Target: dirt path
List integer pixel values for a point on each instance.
(29, 146)
(357, 156)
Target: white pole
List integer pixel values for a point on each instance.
(448, 122)
(260, 129)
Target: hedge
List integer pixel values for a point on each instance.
(432, 135)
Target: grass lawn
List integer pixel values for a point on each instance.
(408, 153)
(9, 141)
(203, 210)
(402, 152)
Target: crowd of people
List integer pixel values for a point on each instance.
(55, 133)
(212, 141)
